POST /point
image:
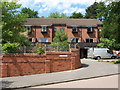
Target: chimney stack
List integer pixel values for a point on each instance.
(43, 17)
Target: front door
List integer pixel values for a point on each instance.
(83, 53)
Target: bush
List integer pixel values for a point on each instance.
(117, 62)
(9, 47)
(60, 38)
(40, 50)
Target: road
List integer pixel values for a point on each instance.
(101, 82)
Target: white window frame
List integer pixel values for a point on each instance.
(54, 29)
(43, 38)
(75, 40)
(91, 29)
(76, 29)
(43, 27)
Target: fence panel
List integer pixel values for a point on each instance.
(56, 48)
(47, 47)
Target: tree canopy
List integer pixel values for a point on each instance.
(76, 15)
(60, 38)
(91, 11)
(94, 10)
(30, 13)
(57, 15)
(12, 26)
(111, 22)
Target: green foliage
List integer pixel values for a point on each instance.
(57, 15)
(30, 13)
(91, 11)
(94, 11)
(106, 43)
(40, 50)
(76, 15)
(12, 25)
(9, 47)
(111, 22)
(117, 62)
(29, 32)
(100, 10)
(109, 14)
(60, 38)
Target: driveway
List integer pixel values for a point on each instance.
(90, 69)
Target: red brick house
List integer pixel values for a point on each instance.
(85, 32)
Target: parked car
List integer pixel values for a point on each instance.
(118, 55)
(98, 53)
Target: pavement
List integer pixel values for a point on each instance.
(86, 83)
(90, 69)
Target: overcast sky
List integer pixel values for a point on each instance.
(45, 7)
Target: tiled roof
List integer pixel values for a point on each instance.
(69, 22)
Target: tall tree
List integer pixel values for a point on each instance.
(106, 43)
(91, 11)
(12, 26)
(95, 9)
(60, 38)
(111, 22)
(76, 15)
(30, 13)
(57, 15)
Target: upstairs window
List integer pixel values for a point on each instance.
(89, 40)
(74, 30)
(74, 40)
(55, 29)
(62, 29)
(44, 29)
(43, 40)
(90, 30)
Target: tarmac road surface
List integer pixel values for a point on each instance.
(101, 82)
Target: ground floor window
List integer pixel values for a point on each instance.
(74, 40)
(89, 40)
(43, 40)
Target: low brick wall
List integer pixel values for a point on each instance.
(28, 64)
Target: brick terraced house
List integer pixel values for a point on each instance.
(85, 32)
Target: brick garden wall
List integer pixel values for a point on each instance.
(28, 64)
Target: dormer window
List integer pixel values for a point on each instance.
(74, 30)
(90, 30)
(44, 29)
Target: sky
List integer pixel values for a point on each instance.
(45, 7)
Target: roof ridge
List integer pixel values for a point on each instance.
(68, 21)
(64, 18)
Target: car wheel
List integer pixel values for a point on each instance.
(98, 57)
(113, 57)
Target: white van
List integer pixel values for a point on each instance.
(98, 53)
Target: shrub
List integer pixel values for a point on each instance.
(40, 50)
(60, 38)
(117, 62)
(9, 47)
